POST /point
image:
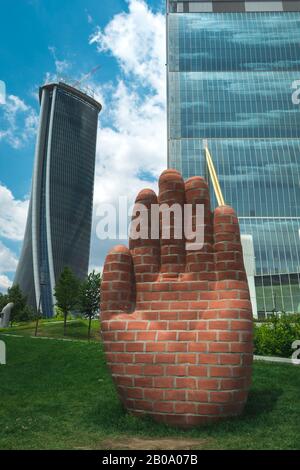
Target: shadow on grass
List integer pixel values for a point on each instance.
(262, 401)
(113, 418)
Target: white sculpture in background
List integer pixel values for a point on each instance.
(5, 315)
(249, 261)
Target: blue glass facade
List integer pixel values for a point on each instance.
(230, 80)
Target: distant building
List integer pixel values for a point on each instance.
(59, 220)
(233, 69)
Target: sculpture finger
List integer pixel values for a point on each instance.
(198, 216)
(144, 240)
(171, 200)
(229, 261)
(117, 287)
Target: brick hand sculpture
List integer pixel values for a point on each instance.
(177, 324)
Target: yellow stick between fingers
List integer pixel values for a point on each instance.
(213, 176)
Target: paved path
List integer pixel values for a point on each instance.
(44, 337)
(283, 360)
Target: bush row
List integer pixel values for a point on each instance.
(276, 336)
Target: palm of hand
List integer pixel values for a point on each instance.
(177, 324)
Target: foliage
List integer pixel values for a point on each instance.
(89, 297)
(53, 328)
(20, 311)
(66, 292)
(58, 313)
(27, 314)
(276, 336)
(3, 301)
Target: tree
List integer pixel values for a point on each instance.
(66, 293)
(89, 297)
(27, 314)
(20, 310)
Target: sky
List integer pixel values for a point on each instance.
(42, 40)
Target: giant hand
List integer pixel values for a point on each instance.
(177, 324)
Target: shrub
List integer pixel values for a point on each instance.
(27, 314)
(276, 335)
(3, 301)
(59, 315)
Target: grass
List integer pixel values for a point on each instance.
(59, 395)
(53, 328)
(76, 329)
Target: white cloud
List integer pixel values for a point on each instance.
(62, 69)
(18, 122)
(131, 147)
(137, 40)
(13, 215)
(5, 283)
(15, 105)
(8, 263)
(31, 123)
(61, 66)
(88, 16)
(134, 145)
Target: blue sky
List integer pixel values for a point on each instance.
(40, 39)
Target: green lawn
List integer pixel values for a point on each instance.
(59, 395)
(76, 329)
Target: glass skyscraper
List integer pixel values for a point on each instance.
(59, 220)
(233, 68)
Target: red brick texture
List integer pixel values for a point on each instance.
(176, 324)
